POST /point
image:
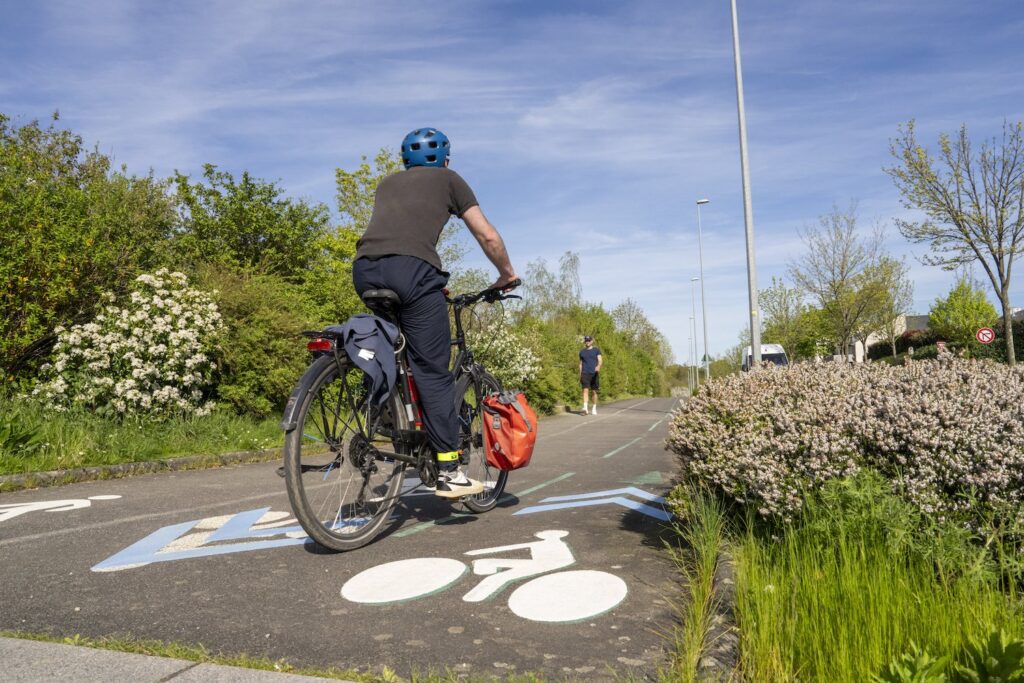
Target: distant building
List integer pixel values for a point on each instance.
(905, 323)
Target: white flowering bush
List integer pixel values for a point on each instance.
(151, 355)
(505, 354)
(947, 434)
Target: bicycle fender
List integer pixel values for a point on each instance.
(305, 383)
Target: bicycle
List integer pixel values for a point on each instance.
(345, 459)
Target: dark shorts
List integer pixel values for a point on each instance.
(591, 380)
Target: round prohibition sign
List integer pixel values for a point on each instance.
(985, 335)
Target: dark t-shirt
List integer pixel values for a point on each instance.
(410, 209)
(589, 359)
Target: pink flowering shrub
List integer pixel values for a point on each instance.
(948, 434)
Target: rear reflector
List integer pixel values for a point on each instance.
(320, 345)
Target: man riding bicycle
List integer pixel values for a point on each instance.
(398, 251)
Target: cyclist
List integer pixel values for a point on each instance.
(398, 251)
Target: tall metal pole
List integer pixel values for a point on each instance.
(748, 211)
(693, 317)
(689, 362)
(703, 303)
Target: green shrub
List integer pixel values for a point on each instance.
(149, 356)
(915, 666)
(262, 353)
(72, 228)
(997, 659)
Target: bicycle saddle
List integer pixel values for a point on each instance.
(381, 298)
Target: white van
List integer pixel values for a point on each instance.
(770, 353)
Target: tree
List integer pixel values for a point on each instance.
(973, 203)
(781, 306)
(897, 297)
(70, 229)
(247, 224)
(959, 316)
(356, 191)
(546, 293)
(839, 270)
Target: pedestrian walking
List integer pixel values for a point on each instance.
(590, 368)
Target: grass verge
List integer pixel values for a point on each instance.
(41, 441)
(702, 532)
(859, 580)
(200, 654)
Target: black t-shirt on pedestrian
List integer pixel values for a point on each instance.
(410, 209)
(589, 359)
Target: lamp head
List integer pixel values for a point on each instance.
(702, 201)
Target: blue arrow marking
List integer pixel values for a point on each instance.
(628, 491)
(149, 549)
(614, 497)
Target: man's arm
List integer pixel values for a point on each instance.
(600, 361)
(491, 243)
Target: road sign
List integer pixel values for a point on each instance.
(985, 335)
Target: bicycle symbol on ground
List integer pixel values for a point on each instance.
(557, 596)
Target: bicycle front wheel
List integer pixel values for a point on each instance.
(469, 395)
(342, 488)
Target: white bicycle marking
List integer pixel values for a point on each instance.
(548, 554)
(567, 596)
(389, 582)
(12, 510)
(555, 597)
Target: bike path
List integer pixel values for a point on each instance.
(214, 557)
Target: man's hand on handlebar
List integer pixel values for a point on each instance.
(506, 283)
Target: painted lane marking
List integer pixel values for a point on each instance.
(555, 596)
(567, 597)
(658, 422)
(423, 526)
(615, 497)
(157, 515)
(601, 417)
(621, 448)
(175, 542)
(538, 487)
(12, 510)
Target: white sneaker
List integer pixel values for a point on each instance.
(455, 484)
(594, 411)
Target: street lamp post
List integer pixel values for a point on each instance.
(755, 325)
(693, 321)
(689, 362)
(703, 303)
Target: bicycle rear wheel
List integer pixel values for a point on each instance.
(341, 487)
(469, 394)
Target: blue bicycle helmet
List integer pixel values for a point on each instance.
(425, 147)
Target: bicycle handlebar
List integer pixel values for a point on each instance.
(490, 295)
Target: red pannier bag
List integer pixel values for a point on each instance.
(510, 430)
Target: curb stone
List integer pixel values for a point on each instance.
(31, 480)
(721, 645)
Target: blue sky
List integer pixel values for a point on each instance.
(591, 126)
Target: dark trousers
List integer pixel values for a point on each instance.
(427, 332)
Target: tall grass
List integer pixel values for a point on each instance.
(80, 439)
(702, 530)
(854, 581)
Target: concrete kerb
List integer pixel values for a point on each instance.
(720, 651)
(31, 660)
(31, 480)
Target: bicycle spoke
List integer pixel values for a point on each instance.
(342, 494)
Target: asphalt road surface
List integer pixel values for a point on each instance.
(567, 578)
